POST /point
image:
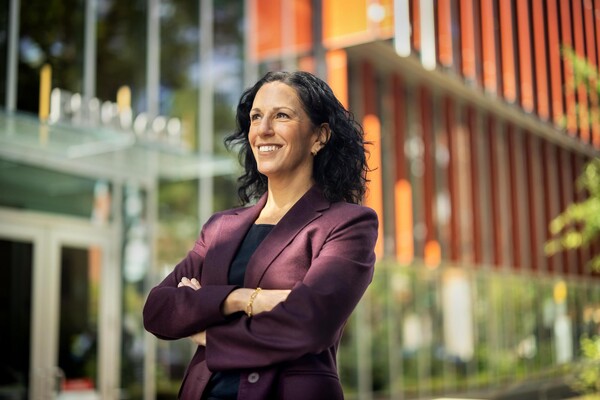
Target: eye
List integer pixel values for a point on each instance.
(282, 115)
(254, 117)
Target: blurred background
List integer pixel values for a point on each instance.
(483, 119)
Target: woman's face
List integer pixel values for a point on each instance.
(281, 134)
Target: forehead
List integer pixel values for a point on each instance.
(276, 94)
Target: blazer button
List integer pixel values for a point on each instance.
(253, 377)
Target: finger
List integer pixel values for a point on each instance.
(180, 284)
(195, 282)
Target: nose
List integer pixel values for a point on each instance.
(265, 128)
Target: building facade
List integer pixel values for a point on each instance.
(111, 150)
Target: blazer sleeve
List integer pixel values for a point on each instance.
(174, 313)
(311, 318)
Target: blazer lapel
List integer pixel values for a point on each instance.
(229, 236)
(305, 210)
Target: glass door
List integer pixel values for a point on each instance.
(80, 284)
(15, 322)
(60, 330)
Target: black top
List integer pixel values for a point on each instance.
(223, 385)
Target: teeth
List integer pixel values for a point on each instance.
(267, 148)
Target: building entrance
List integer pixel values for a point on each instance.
(59, 324)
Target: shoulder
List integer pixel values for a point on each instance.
(342, 214)
(350, 209)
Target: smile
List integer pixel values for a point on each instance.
(268, 148)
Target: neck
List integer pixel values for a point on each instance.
(280, 198)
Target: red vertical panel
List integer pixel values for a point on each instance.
(402, 190)
(562, 203)
(590, 39)
(507, 41)
(548, 164)
(579, 196)
(475, 185)
(449, 125)
(582, 97)
(524, 44)
(532, 201)
(565, 22)
(415, 18)
(467, 39)
(497, 225)
(488, 34)
(555, 63)
(541, 65)
(514, 199)
(431, 254)
(444, 32)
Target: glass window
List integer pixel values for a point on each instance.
(180, 70)
(121, 50)
(4, 27)
(228, 66)
(53, 35)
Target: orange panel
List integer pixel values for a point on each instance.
(267, 18)
(402, 189)
(525, 71)
(432, 254)
(569, 92)
(415, 19)
(374, 196)
(555, 63)
(337, 74)
(541, 66)
(488, 33)
(404, 222)
(582, 98)
(508, 50)
(372, 127)
(267, 26)
(467, 38)
(387, 24)
(343, 18)
(444, 33)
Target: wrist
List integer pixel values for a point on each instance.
(236, 301)
(253, 296)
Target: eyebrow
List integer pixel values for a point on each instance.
(256, 109)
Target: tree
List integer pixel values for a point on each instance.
(579, 224)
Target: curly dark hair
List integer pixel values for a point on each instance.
(340, 167)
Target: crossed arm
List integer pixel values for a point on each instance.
(237, 301)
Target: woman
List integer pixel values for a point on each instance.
(267, 289)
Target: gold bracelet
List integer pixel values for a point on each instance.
(252, 297)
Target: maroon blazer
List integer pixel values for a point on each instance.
(320, 250)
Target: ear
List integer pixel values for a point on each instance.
(323, 132)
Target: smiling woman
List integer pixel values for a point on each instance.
(269, 326)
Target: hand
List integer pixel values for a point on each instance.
(199, 338)
(191, 283)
